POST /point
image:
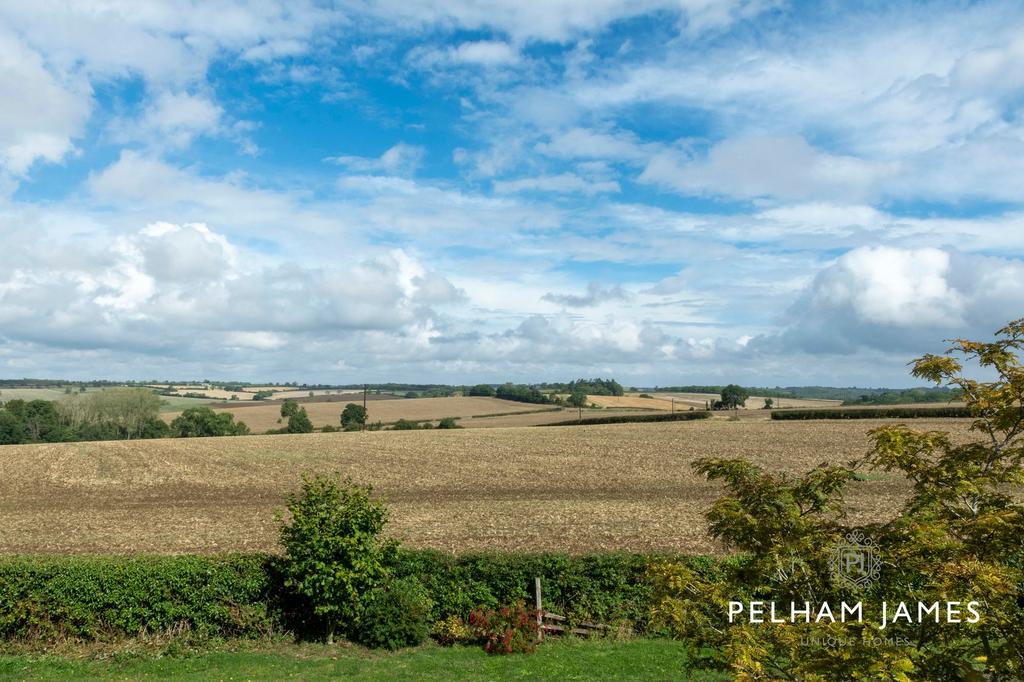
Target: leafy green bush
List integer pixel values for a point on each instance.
(448, 423)
(629, 418)
(394, 615)
(876, 413)
(334, 550)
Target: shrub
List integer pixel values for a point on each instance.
(405, 425)
(506, 630)
(448, 423)
(394, 615)
(334, 549)
(451, 630)
(329, 429)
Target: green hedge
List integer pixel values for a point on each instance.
(96, 598)
(875, 413)
(627, 418)
(104, 598)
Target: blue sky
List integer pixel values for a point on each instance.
(684, 191)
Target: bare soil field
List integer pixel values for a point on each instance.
(574, 488)
(264, 416)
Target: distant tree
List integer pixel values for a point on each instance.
(411, 394)
(768, 402)
(734, 396)
(577, 398)
(481, 390)
(289, 408)
(353, 417)
(201, 421)
(311, 394)
(299, 422)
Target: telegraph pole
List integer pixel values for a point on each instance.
(365, 386)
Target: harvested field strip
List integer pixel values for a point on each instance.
(505, 414)
(621, 486)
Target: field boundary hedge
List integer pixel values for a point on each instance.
(53, 598)
(875, 413)
(629, 418)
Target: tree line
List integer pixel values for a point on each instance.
(113, 414)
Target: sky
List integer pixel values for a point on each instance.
(766, 192)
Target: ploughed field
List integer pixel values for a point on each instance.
(574, 488)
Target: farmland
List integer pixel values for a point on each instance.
(624, 486)
(263, 416)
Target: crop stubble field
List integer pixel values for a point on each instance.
(622, 486)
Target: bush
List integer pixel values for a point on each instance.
(395, 615)
(405, 425)
(448, 423)
(876, 413)
(629, 418)
(506, 630)
(334, 549)
(451, 630)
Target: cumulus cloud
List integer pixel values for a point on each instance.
(894, 299)
(184, 286)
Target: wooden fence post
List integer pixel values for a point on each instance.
(539, 605)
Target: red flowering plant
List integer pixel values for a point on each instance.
(506, 630)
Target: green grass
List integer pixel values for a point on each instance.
(174, 403)
(642, 659)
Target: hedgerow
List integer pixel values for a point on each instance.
(629, 418)
(876, 413)
(106, 598)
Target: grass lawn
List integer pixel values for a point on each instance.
(643, 659)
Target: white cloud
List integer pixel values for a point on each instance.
(776, 167)
(553, 20)
(564, 183)
(172, 119)
(894, 299)
(401, 159)
(42, 111)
